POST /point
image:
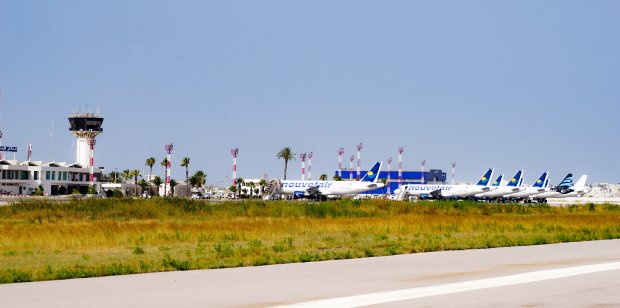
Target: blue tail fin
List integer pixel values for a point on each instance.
(541, 181)
(567, 182)
(498, 181)
(373, 174)
(514, 182)
(486, 178)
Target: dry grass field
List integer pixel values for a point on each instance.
(44, 240)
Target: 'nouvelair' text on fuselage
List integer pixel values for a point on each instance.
(305, 184)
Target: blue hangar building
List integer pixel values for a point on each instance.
(433, 176)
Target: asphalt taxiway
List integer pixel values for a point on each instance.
(568, 274)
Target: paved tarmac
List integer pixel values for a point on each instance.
(380, 277)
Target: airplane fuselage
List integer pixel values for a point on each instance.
(291, 187)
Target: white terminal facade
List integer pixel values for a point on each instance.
(58, 178)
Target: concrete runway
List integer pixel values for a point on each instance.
(380, 277)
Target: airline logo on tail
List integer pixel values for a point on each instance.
(484, 180)
(516, 179)
(373, 174)
(498, 181)
(541, 181)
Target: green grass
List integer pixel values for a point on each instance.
(44, 240)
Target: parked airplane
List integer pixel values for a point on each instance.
(446, 191)
(511, 187)
(540, 186)
(321, 189)
(565, 189)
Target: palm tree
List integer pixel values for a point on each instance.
(173, 183)
(126, 174)
(143, 184)
(114, 176)
(135, 173)
(239, 182)
(251, 185)
(323, 177)
(262, 184)
(287, 154)
(199, 178)
(185, 163)
(233, 189)
(157, 182)
(337, 178)
(164, 163)
(150, 162)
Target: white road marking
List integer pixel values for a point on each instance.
(413, 293)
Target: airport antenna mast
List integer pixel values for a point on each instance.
(453, 165)
(400, 165)
(423, 162)
(234, 151)
(340, 151)
(168, 148)
(91, 167)
(310, 166)
(302, 157)
(387, 182)
(359, 160)
(352, 158)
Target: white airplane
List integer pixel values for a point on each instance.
(321, 189)
(540, 186)
(446, 191)
(513, 186)
(565, 189)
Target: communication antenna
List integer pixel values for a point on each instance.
(310, 166)
(50, 132)
(359, 149)
(234, 151)
(340, 152)
(423, 162)
(302, 157)
(400, 165)
(351, 159)
(389, 161)
(453, 165)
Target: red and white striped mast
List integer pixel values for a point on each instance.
(168, 148)
(234, 151)
(359, 149)
(387, 182)
(310, 166)
(91, 168)
(302, 157)
(400, 165)
(340, 152)
(423, 162)
(352, 158)
(453, 165)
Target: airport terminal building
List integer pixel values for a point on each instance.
(56, 178)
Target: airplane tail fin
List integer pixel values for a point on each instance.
(581, 183)
(566, 183)
(498, 181)
(514, 182)
(542, 181)
(373, 174)
(486, 178)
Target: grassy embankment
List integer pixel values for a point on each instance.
(42, 240)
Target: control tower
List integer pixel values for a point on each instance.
(85, 125)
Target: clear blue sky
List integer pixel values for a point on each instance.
(504, 84)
